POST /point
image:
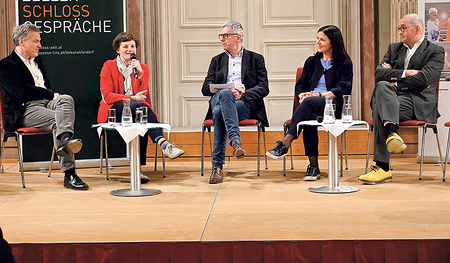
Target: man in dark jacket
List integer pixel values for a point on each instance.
(246, 72)
(406, 90)
(29, 100)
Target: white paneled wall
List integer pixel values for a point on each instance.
(283, 31)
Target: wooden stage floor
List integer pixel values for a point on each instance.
(244, 207)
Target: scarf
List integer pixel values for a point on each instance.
(126, 72)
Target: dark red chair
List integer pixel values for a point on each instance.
(207, 124)
(18, 134)
(414, 124)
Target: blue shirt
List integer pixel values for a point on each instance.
(234, 67)
(321, 86)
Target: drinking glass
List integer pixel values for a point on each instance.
(138, 115)
(112, 117)
(144, 117)
(347, 113)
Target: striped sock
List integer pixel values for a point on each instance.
(163, 143)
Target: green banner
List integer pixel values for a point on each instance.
(76, 38)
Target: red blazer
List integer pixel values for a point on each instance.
(113, 90)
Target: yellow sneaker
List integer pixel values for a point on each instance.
(395, 144)
(376, 176)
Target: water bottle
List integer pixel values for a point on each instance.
(126, 113)
(328, 112)
(347, 113)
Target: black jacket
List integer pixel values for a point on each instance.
(18, 87)
(338, 78)
(254, 78)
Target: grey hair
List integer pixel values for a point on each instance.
(431, 10)
(21, 32)
(415, 20)
(237, 28)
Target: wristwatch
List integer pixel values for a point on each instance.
(320, 94)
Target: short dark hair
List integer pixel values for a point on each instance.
(124, 37)
(337, 43)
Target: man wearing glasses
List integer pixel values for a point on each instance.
(247, 72)
(406, 90)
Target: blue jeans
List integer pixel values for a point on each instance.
(226, 114)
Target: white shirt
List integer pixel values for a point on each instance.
(35, 71)
(410, 52)
(234, 67)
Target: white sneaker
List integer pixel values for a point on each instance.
(144, 178)
(172, 151)
(310, 178)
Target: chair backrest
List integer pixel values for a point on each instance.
(296, 100)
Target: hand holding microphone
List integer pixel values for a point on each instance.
(133, 57)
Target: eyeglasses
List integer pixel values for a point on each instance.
(403, 28)
(225, 36)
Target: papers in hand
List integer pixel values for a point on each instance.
(214, 88)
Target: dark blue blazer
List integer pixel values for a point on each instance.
(338, 78)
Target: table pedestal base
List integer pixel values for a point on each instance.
(135, 193)
(333, 190)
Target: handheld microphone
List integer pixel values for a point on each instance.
(319, 119)
(133, 56)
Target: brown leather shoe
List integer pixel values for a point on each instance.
(216, 176)
(238, 150)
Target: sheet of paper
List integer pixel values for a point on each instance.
(214, 88)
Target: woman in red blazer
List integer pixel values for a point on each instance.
(118, 82)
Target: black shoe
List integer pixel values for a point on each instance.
(74, 182)
(68, 145)
(144, 178)
(312, 173)
(278, 151)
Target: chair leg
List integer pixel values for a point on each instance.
(2, 151)
(439, 146)
(51, 162)
(265, 149)
(156, 156)
(424, 130)
(370, 129)
(203, 148)
(446, 155)
(164, 164)
(346, 150)
(101, 151)
(19, 147)
(259, 146)
(342, 153)
(106, 157)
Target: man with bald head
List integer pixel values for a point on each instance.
(407, 78)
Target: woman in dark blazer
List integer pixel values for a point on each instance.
(328, 73)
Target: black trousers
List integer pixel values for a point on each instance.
(153, 133)
(309, 109)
